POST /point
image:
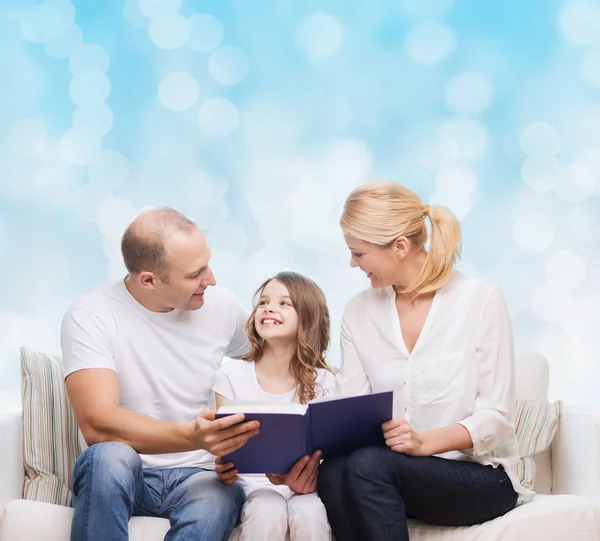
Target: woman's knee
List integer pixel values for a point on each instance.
(373, 463)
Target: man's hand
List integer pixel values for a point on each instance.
(222, 436)
(302, 478)
(226, 472)
(400, 437)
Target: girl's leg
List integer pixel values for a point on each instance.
(264, 516)
(308, 518)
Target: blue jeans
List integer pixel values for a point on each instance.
(370, 493)
(110, 486)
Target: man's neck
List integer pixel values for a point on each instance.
(141, 296)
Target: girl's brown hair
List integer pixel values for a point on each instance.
(380, 212)
(309, 302)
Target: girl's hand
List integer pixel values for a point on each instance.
(226, 473)
(400, 437)
(302, 478)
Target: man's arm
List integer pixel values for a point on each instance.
(94, 395)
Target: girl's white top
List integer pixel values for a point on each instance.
(461, 369)
(236, 380)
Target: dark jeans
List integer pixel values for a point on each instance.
(370, 493)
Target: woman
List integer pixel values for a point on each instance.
(443, 343)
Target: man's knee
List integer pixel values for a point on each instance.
(107, 462)
(205, 491)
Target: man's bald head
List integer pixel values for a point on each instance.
(144, 242)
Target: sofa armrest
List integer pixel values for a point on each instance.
(576, 455)
(12, 473)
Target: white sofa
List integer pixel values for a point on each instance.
(570, 470)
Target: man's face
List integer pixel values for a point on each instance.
(189, 274)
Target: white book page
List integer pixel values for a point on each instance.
(240, 406)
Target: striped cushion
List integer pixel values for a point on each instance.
(536, 424)
(50, 432)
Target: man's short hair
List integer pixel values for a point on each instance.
(143, 243)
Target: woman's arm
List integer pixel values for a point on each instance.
(352, 378)
(492, 418)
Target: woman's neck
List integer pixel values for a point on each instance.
(414, 265)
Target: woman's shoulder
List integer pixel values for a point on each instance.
(461, 284)
(366, 297)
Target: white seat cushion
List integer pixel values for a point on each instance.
(546, 518)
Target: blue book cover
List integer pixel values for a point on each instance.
(334, 425)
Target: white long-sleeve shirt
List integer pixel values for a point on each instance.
(461, 369)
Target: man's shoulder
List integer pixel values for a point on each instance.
(98, 301)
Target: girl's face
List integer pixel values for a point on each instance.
(276, 317)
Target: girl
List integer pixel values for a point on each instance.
(289, 335)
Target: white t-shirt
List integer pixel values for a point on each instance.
(166, 362)
(236, 380)
(461, 370)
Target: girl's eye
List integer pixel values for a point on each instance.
(260, 303)
(286, 303)
(358, 255)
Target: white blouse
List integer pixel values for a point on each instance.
(461, 369)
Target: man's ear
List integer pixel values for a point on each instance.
(147, 280)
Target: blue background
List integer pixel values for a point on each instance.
(258, 118)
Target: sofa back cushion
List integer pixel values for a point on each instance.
(532, 381)
(50, 433)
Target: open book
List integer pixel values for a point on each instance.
(333, 425)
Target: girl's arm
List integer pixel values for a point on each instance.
(219, 400)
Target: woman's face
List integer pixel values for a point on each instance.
(381, 264)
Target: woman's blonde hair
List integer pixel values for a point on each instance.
(309, 303)
(380, 212)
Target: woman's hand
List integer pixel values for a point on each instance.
(302, 478)
(400, 437)
(226, 473)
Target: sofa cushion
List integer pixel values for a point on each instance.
(546, 518)
(50, 432)
(536, 425)
(532, 377)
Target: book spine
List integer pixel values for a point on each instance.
(308, 439)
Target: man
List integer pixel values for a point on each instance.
(140, 359)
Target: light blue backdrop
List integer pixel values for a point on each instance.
(258, 117)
